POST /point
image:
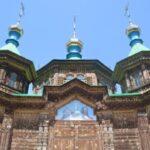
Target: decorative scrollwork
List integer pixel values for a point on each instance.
(100, 106)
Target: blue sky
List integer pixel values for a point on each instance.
(100, 25)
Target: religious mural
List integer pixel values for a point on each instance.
(75, 110)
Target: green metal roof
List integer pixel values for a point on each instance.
(138, 48)
(111, 95)
(28, 95)
(31, 94)
(124, 94)
(11, 47)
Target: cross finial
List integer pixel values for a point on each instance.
(74, 27)
(127, 12)
(22, 12)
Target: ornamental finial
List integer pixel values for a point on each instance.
(21, 12)
(132, 26)
(74, 46)
(133, 32)
(74, 27)
(127, 13)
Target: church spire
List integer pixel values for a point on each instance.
(74, 46)
(133, 32)
(15, 32)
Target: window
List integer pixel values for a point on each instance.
(69, 77)
(75, 110)
(80, 77)
(12, 80)
(136, 78)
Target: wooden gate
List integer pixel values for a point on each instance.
(71, 135)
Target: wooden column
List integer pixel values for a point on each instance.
(107, 135)
(143, 127)
(145, 72)
(43, 135)
(2, 74)
(127, 81)
(6, 133)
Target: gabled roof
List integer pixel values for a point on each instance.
(75, 89)
(64, 63)
(74, 84)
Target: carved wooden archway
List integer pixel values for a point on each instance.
(70, 135)
(59, 96)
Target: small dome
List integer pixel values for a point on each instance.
(74, 45)
(15, 32)
(16, 27)
(75, 41)
(132, 27)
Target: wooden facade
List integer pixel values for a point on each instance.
(29, 122)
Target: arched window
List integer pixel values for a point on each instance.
(75, 110)
(81, 77)
(69, 77)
